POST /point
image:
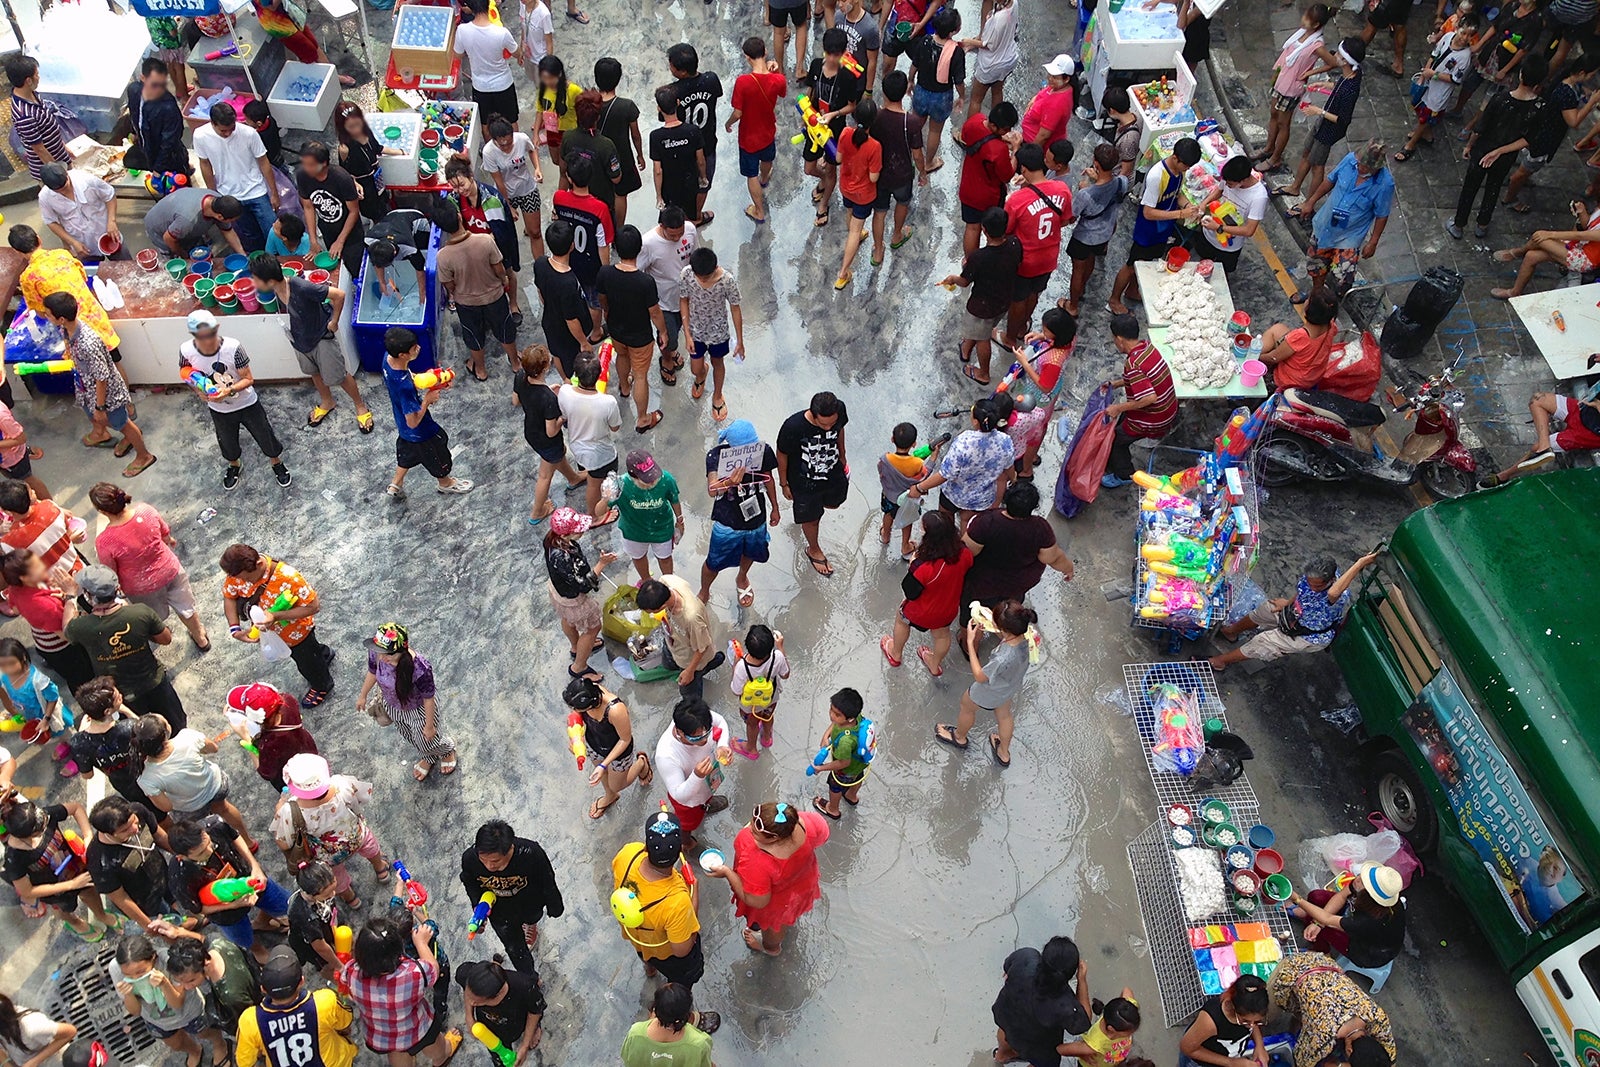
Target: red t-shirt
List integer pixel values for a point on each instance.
(755, 98)
(1303, 370)
(940, 601)
(1049, 110)
(984, 174)
(136, 551)
(856, 167)
(1038, 226)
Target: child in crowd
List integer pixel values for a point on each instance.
(759, 670)
(289, 236)
(175, 1015)
(842, 742)
(27, 693)
(420, 440)
(209, 850)
(644, 498)
(104, 739)
(898, 471)
(1434, 85)
(1058, 161)
(259, 118)
(313, 914)
(996, 682)
(992, 273)
(710, 296)
(1110, 1039)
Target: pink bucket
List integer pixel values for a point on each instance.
(245, 290)
(1251, 372)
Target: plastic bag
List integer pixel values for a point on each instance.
(34, 339)
(1434, 296)
(1403, 337)
(1069, 500)
(273, 648)
(1352, 370)
(1180, 735)
(1321, 857)
(1404, 859)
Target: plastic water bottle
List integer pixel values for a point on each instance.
(1255, 348)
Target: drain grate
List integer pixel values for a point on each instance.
(84, 996)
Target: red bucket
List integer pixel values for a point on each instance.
(245, 290)
(1177, 256)
(318, 277)
(294, 264)
(109, 244)
(189, 280)
(1268, 863)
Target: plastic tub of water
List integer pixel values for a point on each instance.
(325, 261)
(236, 263)
(1251, 372)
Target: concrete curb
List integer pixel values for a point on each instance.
(18, 190)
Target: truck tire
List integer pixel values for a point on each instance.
(1397, 791)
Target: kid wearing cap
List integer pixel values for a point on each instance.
(268, 721)
(643, 500)
(227, 385)
(572, 583)
(420, 440)
(667, 896)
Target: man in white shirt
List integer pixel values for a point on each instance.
(79, 208)
(234, 162)
(666, 251)
(538, 37)
(487, 48)
(688, 762)
(1233, 214)
(592, 419)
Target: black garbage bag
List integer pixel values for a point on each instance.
(1433, 296)
(1222, 762)
(1404, 337)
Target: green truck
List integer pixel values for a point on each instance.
(1472, 650)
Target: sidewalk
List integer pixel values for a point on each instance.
(1501, 365)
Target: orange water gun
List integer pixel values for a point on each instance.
(575, 737)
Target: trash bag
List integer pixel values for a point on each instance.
(1322, 857)
(1404, 859)
(1353, 370)
(1403, 337)
(1086, 456)
(1433, 296)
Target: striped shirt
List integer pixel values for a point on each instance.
(1144, 374)
(36, 124)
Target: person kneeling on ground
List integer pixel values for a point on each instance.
(1304, 623)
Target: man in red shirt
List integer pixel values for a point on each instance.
(987, 167)
(1036, 214)
(1151, 407)
(755, 99)
(592, 231)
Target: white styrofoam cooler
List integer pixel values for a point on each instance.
(401, 169)
(299, 114)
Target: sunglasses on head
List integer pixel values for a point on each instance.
(783, 816)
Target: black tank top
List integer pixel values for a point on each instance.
(361, 159)
(1231, 1037)
(599, 734)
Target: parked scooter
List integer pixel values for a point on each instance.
(1325, 437)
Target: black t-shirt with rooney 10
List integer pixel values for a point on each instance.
(539, 404)
(743, 507)
(509, 1018)
(629, 295)
(812, 453)
(1008, 565)
(697, 105)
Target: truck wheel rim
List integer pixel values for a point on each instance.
(1394, 797)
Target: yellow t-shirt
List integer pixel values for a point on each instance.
(335, 1048)
(1108, 1050)
(568, 119)
(669, 915)
(906, 464)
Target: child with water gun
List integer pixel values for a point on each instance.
(832, 92)
(997, 682)
(759, 670)
(314, 914)
(898, 471)
(504, 1008)
(848, 746)
(46, 869)
(421, 440)
(32, 702)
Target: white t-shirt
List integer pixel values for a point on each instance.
(1451, 68)
(83, 214)
(1252, 202)
(37, 1031)
(664, 260)
(999, 55)
(591, 420)
(186, 777)
(233, 160)
(485, 48)
(536, 24)
(776, 668)
(514, 167)
(675, 762)
(222, 368)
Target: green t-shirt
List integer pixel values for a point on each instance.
(694, 1050)
(842, 743)
(646, 513)
(119, 645)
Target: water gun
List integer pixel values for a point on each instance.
(1012, 374)
(1176, 746)
(1171, 503)
(1226, 213)
(1184, 551)
(49, 366)
(228, 890)
(924, 451)
(285, 600)
(506, 1055)
(849, 62)
(416, 893)
(575, 737)
(1175, 484)
(75, 851)
(824, 754)
(480, 915)
(429, 380)
(229, 49)
(344, 940)
(1231, 441)
(249, 746)
(203, 383)
(159, 184)
(819, 133)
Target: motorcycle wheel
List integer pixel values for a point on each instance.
(1446, 482)
(1285, 459)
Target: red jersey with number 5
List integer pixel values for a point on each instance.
(1037, 223)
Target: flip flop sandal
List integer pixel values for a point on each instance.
(699, 389)
(422, 768)
(816, 195)
(669, 377)
(747, 595)
(124, 446)
(876, 261)
(35, 453)
(994, 750)
(719, 411)
(910, 232)
(448, 765)
(972, 375)
(946, 734)
(822, 806)
(107, 443)
(752, 941)
(454, 1036)
(741, 746)
(480, 377)
(313, 698)
(1521, 208)
(846, 798)
(822, 218)
(317, 415)
(925, 655)
(1404, 154)
(133, 470)
(883, 646)
(938, 165)
(821, 566)
(706, 218)
(655, 418)
(610, 518)
(583, 20)
(365, 422)
(647, 775)
(598, 809)
(750, 213)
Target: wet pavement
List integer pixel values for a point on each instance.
(949, 864)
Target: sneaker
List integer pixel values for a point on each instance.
(717, 803)
(1480, 231)
(1491, 482)
(1452, 229)
(284, 477)
(1111, 481)
(716, 661)
(395, 491)
(460, 485)
(1537, 460)
(230, 476)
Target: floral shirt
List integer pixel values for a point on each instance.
(337, 826)
(164, 32)
(91, 366)
(708, 307)
(973, 465)
(281, 578)
(1317, 612)
(55, 270)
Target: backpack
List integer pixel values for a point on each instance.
(866, 741)
(758, 693)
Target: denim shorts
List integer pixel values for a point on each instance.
(935, 107)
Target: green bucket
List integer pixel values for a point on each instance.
(177, 268)
(225, 279)
(290, 272)
(203, 292)
(325, 261)
(267, 299)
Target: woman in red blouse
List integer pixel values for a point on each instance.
(774, 874)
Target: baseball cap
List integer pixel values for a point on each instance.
(391, 637)
(254, 701)
(642, 466)
(663, 839)
(1062, 66)
(565, 522)
(98, 583)
(280, 975)
(201, 319)
(1382, 884)
(306, 775)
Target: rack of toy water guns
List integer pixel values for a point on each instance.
(1198, 530)
(1196, 954)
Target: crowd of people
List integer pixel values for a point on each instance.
(215, 949)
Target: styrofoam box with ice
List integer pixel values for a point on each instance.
(409, 124)
(303, 90)
(1136, 24)
(418, 26)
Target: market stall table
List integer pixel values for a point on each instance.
(1150, 276)
(1566, 351)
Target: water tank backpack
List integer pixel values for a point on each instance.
(866, 741)
(758, 693)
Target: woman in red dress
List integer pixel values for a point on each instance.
(774, 875)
